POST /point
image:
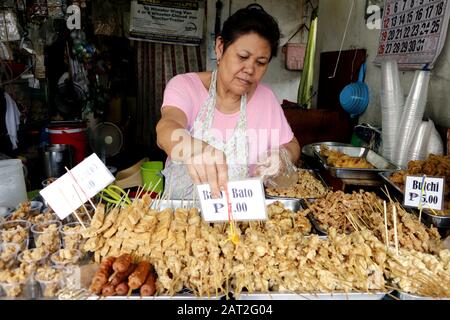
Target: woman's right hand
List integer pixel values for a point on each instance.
(207, 164)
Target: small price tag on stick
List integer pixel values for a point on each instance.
(73, 189)
(246, 197)
(424, 192)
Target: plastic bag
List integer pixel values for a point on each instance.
(277, 169)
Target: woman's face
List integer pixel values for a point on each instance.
(244, 63)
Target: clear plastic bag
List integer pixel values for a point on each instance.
(277, 170)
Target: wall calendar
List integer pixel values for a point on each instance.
(413, 32)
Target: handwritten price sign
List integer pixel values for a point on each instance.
(69, 192)
(425, 192)
(414, 32)
(247, 202)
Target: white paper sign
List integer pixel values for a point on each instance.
(65, 196)
(427, 192)
(247, 199)
(179, 22)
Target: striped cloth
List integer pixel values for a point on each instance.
(156, 64)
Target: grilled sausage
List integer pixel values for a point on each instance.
(137, 278)
(122, 263)
(108, 290)
(149, 287)
(101, 275)
(122, 276)
(122, 289)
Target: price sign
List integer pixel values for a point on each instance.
(84, 181)
(424, 192)
(413, 32)
(247, 199)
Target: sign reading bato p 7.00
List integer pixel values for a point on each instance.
(425, 192)
(167, 21)
(413, 32)
(246, 197)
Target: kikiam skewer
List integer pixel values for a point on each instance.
(75, 180)
(386, 224)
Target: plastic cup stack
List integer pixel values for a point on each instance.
(412, 116)
(392, 102)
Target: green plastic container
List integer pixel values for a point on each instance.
(152, 177)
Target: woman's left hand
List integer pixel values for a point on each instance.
(277, 169)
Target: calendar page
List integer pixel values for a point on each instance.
(413, 32)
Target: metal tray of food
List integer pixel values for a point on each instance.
(427, 215)
(308, 150)
(407, 296)
(315, 175)
(312, 296)
(380, 163)
(290, 204)
(385, 176)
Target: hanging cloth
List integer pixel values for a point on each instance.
(12, 120)
(305, 89)
(178, 182)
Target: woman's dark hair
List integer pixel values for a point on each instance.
(248, 20)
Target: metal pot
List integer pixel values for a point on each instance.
(56, 157)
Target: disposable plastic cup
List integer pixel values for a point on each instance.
(17, 231)
(65, 257)
(49, 284)
(36, 207)
(14, 289)
(37, 257)
(71, 235)
(8, 255)
(46, 236)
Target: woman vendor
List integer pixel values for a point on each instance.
(224, 125)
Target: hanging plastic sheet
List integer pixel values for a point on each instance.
(306, 84)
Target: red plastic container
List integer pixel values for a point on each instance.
(74, 136)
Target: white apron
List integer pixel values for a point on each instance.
(178, 183)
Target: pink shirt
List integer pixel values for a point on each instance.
(267, 126)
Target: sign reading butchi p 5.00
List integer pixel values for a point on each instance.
(413, 32)
(167, 21)
(424, 192)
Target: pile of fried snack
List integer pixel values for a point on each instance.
(279, 255)
(307, 187)
(434, 166)
(341, 160)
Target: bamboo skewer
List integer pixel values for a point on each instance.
(395, 229)
(75, 180)
(84, 207)
(386, 224)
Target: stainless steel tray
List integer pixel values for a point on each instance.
(309, 151)
(427, 215)
(315, 174)
(408, 296)
(311, 296)
(291, 204)
(380, 163)
(385, 176)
